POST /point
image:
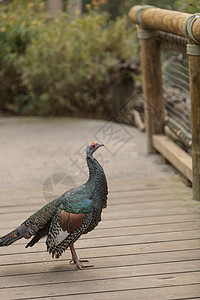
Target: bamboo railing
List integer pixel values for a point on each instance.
(151, 22)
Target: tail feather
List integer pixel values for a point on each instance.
(13, 236)
(32, 226)
(41, 233)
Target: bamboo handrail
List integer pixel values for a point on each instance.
(165, 20)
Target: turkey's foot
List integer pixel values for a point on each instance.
(73, 261)
(77, 261)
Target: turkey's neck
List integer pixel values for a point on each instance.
(96, 172)
(97, 183)
(94, 168)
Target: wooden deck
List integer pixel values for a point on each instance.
(146, 247)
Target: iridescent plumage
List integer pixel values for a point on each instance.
(66, 218)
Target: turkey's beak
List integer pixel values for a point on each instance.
(99, 145)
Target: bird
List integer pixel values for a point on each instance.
(66, 218)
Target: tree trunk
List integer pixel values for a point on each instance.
(75, 8)
(55, 6)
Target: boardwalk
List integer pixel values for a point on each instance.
(146, 247)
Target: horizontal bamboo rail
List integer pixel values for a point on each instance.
(165, 20)
(151, 19)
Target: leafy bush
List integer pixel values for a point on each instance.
(189, 6)
(59, 66)
(19, 22)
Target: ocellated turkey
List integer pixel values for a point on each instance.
(66, 218)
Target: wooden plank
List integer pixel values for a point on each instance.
(114, 215)
(174, 154)
(116, 240)
(134, 206)
(117, 199)
(104, 285)
(127, 196)
(94, 241)
(112, 200)
(18, 254)
(128, 270)
(148, 180)
(189, 291)
(110, 223)
(36, 197)
(33, 194)
(141, 229)
(44, 264)
(148, 192)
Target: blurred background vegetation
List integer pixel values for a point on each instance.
(82, 61)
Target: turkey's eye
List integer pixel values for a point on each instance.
(93, 146)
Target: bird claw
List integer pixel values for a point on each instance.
(79, 263)
(82, 266)
(72, 261)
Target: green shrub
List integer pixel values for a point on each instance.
(67, 65)
(19, 22)
(189, 6)
(58, 66)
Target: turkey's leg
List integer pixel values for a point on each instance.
(75, 259)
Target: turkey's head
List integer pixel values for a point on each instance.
(92, 148)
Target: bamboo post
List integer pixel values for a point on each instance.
(194, 71)
(152, 89)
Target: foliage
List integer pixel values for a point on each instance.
(58, 66)
(189, 6)
(119, 8)
(19, 22)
